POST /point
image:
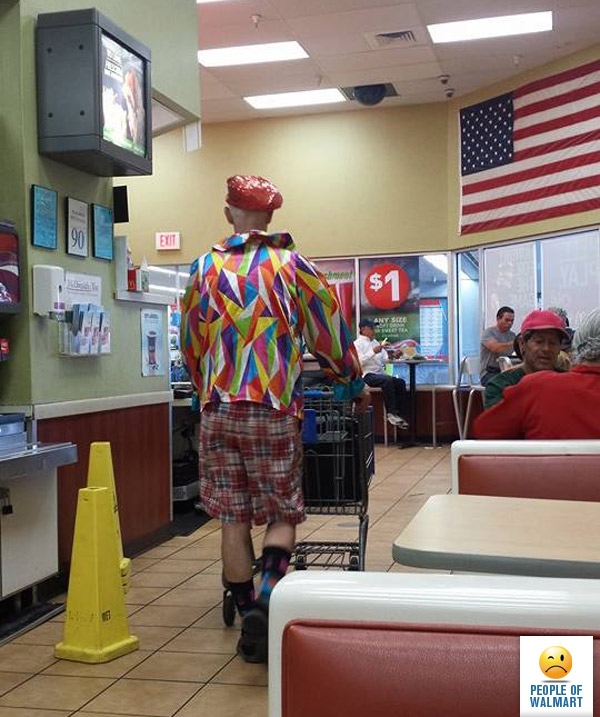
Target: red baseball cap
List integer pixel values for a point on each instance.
(252, 193)
(541, 320)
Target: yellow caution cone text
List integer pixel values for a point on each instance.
(101, 475)
(96, 621)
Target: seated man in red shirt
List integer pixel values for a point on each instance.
(553, 405)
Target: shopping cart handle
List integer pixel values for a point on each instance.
(314, 393)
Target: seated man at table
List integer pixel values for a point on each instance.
(373, 357)
(496, 341)
(538, 343)
(551, 405)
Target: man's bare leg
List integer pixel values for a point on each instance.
(280, 535)
(236, 552)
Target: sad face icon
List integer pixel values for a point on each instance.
(556, 662)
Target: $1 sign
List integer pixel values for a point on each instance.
(386, 286)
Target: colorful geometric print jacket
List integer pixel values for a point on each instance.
(248, 304)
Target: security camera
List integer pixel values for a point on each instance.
(444, 79)
(449, 92)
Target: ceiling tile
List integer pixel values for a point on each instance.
(244, 33)
(383, 19)
(294, 8)
(390, 74)
(378, 59)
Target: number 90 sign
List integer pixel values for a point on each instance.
(77, 227)
(386, 286)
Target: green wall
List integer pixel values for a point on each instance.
(36, 373)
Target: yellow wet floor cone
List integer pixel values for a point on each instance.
(101, 475)
(96, 620)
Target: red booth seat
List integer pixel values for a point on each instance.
(366, 645)
(560, 470)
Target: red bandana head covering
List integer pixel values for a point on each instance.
(255, 194)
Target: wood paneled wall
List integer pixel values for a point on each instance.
(140, 444)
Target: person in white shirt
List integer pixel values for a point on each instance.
(373, 357)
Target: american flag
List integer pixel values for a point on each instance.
(532, 154)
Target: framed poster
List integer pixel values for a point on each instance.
(77, 227)
(44, 217)
(152, 342)
(102, 221)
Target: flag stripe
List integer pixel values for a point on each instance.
(549, 188)
(532, 154)
(584, 205)
(554, 106)
(523, 208)
(558, 134)
(547, 99)
(557, 123)
(566, 76)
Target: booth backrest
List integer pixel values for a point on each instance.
(560, 470)
(381, 644)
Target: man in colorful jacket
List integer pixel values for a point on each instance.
(248, 304)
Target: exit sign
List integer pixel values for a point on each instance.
(166, 241)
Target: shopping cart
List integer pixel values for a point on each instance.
(338, 466)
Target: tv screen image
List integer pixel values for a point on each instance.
(9, 269)
(93, 94)
(124, 117)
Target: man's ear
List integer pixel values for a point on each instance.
(228, 215)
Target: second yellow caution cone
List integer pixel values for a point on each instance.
(96, 627)
(101, 475)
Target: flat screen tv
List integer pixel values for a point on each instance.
(10, 288)
(94, 94)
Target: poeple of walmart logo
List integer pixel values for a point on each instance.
(556, 675)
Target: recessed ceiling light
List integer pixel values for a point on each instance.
(251, 54)
(491, 27)
(296, 99)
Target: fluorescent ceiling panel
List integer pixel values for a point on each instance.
(251, 54)
(491, 27)
(295, 99)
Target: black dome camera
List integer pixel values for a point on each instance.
(370, 94)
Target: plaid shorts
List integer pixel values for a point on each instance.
(250, 464)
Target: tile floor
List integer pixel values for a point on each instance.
(187, 664)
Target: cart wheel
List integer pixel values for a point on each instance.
(300, 562)
(228, 608)
(354, 563)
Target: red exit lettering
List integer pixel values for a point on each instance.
(168, 240)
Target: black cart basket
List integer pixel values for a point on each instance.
(338, 465)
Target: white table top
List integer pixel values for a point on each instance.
(519, 536)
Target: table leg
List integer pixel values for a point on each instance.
(413, 402)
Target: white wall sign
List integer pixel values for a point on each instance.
(510, 280)
(571, 274)
(167, 241)
(82, 289)
(77, 227)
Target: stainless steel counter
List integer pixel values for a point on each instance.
(37, 457)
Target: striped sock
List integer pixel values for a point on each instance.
(243, 596)
(275, 562)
